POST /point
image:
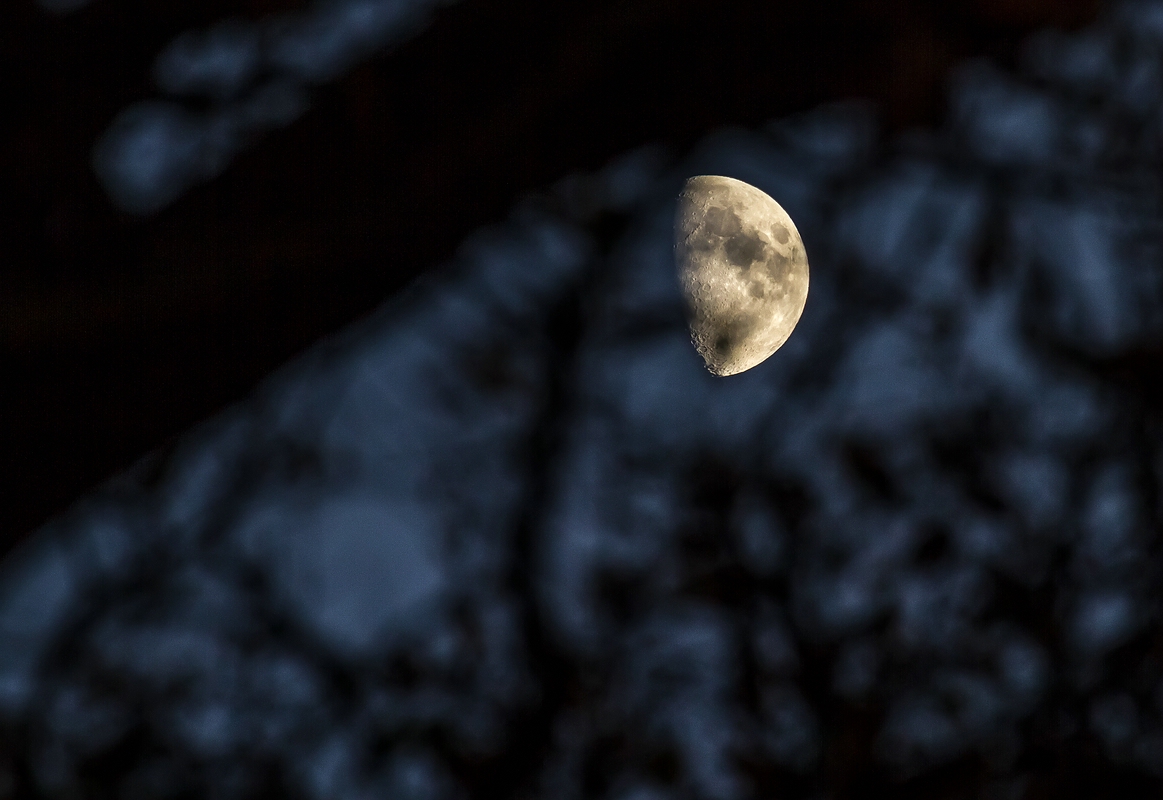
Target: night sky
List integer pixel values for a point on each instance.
(122, 330)
(355, 445)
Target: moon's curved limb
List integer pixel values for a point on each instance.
(743, 271)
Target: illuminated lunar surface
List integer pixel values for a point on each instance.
(743, 270)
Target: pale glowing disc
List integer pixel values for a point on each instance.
(743, 270)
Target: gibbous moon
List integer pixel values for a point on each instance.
(743, 270)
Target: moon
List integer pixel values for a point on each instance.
(743, 271)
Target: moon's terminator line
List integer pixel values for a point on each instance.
(743, 271)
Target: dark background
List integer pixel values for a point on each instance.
(118, 332)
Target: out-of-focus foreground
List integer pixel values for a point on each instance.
(507, 538)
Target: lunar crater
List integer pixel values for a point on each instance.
(743, 270)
